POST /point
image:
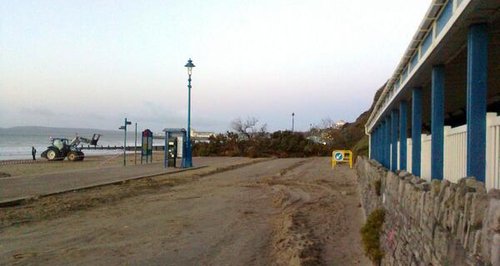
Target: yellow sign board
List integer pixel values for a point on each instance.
(341, 156)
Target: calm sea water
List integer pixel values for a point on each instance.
(16, 143)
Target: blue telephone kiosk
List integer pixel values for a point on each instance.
(172, 148)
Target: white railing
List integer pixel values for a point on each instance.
(425, 157)
(398, 161)
(493, 151)
(455, 153)
(409, 150)
(390, 155)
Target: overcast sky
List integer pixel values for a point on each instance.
(91, 63)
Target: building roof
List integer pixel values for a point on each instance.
(412, 50)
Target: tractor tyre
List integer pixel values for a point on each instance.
(81, 155)
(73, 156)
(53, 154)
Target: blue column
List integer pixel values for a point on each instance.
(371, 153)
(370, 146)
(373, 135)
(416, 131)
(402, 134)
(437, 122)
(377, 143)
(382, 143)
(388, 142)
(394, 139)
(477, 86)
(382, 140)
(383, 134)
(373, 143)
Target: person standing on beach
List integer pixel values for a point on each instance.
(33, 152)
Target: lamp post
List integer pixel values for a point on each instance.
(135, 145)
(188, 159)
(124, 127)
(293, 121)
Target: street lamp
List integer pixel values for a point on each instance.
(135, 144)
(124, 127)
(293, 115)
(188, 159)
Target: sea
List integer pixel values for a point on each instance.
(16, 142)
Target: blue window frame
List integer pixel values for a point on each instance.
(427, 41)
(445, 16)
(414, 61)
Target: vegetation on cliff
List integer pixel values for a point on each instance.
(280, 144)
(249, 138)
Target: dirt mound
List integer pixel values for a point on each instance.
(294, 242)
(312, 227)
(285, 196)
(2, 174)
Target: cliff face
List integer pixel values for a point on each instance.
(352, 135)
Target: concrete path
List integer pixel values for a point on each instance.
(23, 187)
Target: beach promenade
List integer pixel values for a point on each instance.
(22, 187)
(293, 211)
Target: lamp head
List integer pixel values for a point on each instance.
(190, 66)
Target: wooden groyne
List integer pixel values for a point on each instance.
(129, 148)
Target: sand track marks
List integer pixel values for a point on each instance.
(313, 213)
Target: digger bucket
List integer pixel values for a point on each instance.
(94, 140)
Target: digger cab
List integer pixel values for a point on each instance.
(59, 143)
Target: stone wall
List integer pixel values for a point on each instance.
(437, 223)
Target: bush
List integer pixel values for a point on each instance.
(370, 234)
(281, 144)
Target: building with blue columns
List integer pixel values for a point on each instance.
(438, 116)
